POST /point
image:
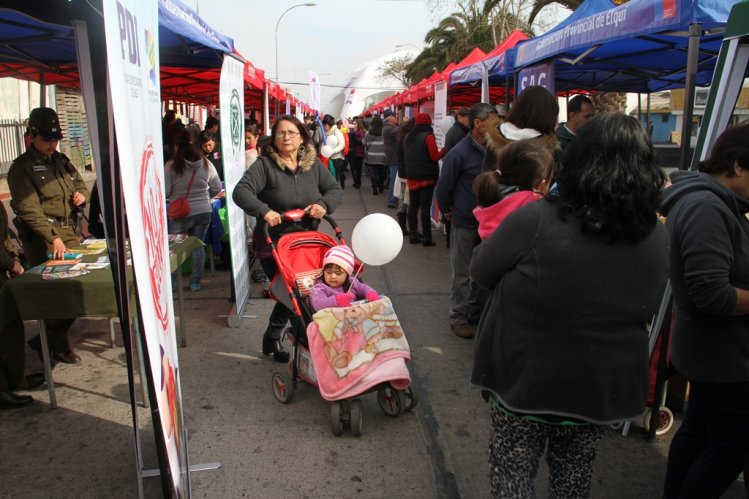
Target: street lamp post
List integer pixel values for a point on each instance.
(308, 4)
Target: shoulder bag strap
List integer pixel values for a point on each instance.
(189, 186)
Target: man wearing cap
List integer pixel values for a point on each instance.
(46, 193)
(389, 137)
(460, 128)
(457, 200)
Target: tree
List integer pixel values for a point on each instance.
(396, 68)
(609, 101)
(539, 5)
(482, 24)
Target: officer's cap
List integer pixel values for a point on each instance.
(43, 121)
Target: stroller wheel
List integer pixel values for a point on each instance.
(665, 420)
(390, 400)
(282, 386)
(357, 417)
(336, 418)
(409, 398)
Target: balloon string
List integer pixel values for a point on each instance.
(351, 281)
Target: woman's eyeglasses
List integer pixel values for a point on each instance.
(281, 135)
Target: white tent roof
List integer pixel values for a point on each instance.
(365, 86)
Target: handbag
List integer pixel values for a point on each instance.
(180, 207)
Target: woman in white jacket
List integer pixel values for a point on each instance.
(337, 142)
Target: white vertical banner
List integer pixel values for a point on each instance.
(314, 91)
(288, 106)
(231, 101)
(440, 111)
(299, 111)
(132, 37)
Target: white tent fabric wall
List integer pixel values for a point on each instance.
(365, 86)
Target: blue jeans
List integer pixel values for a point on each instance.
(392, 200)
(193, 225)
(712, 444)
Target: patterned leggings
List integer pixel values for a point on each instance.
(517, 444)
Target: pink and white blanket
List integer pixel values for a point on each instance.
(358, 347)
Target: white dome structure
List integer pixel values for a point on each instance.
(365, 86)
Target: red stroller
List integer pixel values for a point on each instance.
(378, 366)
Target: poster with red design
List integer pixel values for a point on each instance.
(132, 37)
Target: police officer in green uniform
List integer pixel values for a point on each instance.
(12, 358)
(46, 191)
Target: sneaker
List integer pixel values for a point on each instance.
(194, 286)
(463, 330)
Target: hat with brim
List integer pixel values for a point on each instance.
(43, 121)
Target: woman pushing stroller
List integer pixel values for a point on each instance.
(289, 177)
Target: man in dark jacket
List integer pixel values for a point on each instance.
(579, 110)
(457, 200)
(390, 136)
(12, 356)
(460, 128)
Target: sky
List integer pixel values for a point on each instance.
(332, 39)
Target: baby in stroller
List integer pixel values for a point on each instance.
(337, 287)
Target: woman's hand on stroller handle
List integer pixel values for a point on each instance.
(272, 218)
(315, 211)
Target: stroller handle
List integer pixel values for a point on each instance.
(296, 216)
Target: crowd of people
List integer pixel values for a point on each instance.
(558, 263)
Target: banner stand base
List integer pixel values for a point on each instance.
(193, 467)
(234, 319)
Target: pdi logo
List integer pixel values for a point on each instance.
(128, 25)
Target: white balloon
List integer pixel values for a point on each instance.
(326, 151)
(377, 239)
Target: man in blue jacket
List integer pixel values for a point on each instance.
(456, 201)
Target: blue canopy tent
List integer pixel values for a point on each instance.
(38, 43)
(639, 46)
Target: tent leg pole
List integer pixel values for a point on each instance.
(695, 30)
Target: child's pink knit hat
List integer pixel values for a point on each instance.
(341, 256)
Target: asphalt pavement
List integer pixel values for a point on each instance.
(86, 447)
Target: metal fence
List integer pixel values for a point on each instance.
(11, 143)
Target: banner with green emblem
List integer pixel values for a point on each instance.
(231, 103)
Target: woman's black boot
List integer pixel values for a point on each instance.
(273, 346)
(267, 344)
(279, 354)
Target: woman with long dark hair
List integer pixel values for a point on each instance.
(190, 175)
(709, 230)
(562, 346)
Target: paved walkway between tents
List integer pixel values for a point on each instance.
(86, 447)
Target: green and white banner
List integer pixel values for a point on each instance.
(231, 103)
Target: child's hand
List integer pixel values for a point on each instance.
(344, 299)
(372, 296)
